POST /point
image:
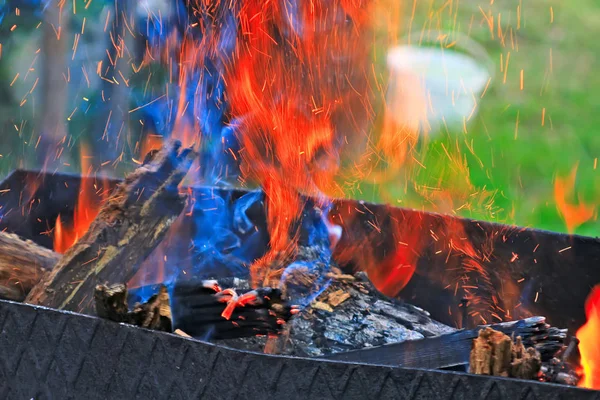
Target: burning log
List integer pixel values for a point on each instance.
(128, 227)
(111, 303)
(22, 265)
(494, 353)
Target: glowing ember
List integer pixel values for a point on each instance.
(589, 345)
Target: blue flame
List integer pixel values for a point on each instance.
(229, 230)
(229, 234)
(206, 105)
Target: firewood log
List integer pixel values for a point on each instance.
(130, 224)
(22, 265)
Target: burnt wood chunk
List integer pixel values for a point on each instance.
(494, 353)
(130, 224)
(22, 265)
(491, 353)
(203, 310)
(155, 314)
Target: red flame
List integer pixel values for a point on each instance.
(291, 87)
(589, 346)
(86, 209)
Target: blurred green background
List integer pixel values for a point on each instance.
(511, 171)
(502, 168)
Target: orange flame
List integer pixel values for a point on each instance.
(589, 346)
(150, 142)
(574, 215)
(86, 209)
(297, 77)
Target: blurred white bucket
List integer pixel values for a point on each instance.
(433, 85)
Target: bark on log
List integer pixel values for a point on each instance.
(22, 265)
(130, 224)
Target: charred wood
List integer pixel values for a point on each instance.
(204, 310)
(453, 350)
(494, 353)
(22, 265)
(155, 314)
(349, 315)
(130, 224)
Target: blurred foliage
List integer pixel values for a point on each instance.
(507, 157)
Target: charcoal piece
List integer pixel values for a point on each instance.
(200, 310)
(155, 314)
(130, 224)
(22, 265)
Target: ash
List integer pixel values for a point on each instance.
(349, 315)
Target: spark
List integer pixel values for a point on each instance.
(522, 83)
(543, 116)
(147, 104)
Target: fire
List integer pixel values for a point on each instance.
(86, 209)
(297, 75)
(589, 345)
(573, 214)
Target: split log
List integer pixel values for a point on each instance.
(494, 353)
(23, 263)
(130, 224)
(155, 314)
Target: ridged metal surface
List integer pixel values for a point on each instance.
(48, 354)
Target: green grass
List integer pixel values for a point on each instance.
(517, 170)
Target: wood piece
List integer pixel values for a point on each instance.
(319, 305)
(494, 353)
(155, 314)
(130, 224)
(526, 363)
(23, 263)
(181, 333)
(491, 353)
(338, 297)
